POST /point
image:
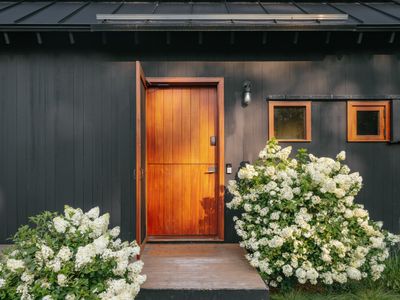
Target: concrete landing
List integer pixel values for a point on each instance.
(199, 271)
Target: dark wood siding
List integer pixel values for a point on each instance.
(67, 125)
(66, 136)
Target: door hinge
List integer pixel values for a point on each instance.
(135, 174)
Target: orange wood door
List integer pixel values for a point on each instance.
(181, 190)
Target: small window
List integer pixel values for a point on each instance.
(290, 121)
(368, 121)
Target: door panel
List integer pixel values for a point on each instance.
(181, 191)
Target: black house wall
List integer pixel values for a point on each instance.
(67, 124)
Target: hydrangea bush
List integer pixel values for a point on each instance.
(300, 222)
(70, 256)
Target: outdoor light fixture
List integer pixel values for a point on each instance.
(246, 92)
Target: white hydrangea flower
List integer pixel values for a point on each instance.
(377, 242)
(15, 264)
(84, 255)
(115, 231)
(287, 270)
(62, 280)
(120, 289)
(276, 242)
(23, 290)
(45, 253)
(99, 226)
(247, 172)
(27, 277)
(93, 213)
(275, 215)
(55, 265)
(60, 224)
(100, 244)
(341, 156)
(134, 270)
(73, 215)
(64, 254)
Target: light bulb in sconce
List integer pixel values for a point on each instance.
(246, 92)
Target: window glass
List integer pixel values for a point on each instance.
(367, 122)
(289, 122)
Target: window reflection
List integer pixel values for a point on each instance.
(289, 122)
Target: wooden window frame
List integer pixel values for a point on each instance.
(384, 120)
(271, 127)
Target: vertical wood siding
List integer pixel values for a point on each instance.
(67, 126)
(65, 136)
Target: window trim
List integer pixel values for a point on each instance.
(384, 120)
(271, 125)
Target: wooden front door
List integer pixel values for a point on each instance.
(182, 160)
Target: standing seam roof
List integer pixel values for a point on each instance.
(61, 14)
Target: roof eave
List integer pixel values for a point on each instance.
(197, 27)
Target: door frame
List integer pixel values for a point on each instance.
(218, 82)
(138, 170)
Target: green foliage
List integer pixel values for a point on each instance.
(386, 288)
(70, 256)
(366, 294)
(391, 276)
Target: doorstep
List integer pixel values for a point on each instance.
(199, 271)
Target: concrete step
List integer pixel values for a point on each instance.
(199, 271)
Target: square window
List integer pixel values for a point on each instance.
(290, 121)
(368, 121)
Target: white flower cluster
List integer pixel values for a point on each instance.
(81, 244)
(300, 219)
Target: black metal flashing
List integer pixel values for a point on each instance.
(332, 97)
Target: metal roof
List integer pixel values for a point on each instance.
(81, 15)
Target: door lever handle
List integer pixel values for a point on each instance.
(212, 169)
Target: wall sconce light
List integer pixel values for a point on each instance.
(246, 92)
